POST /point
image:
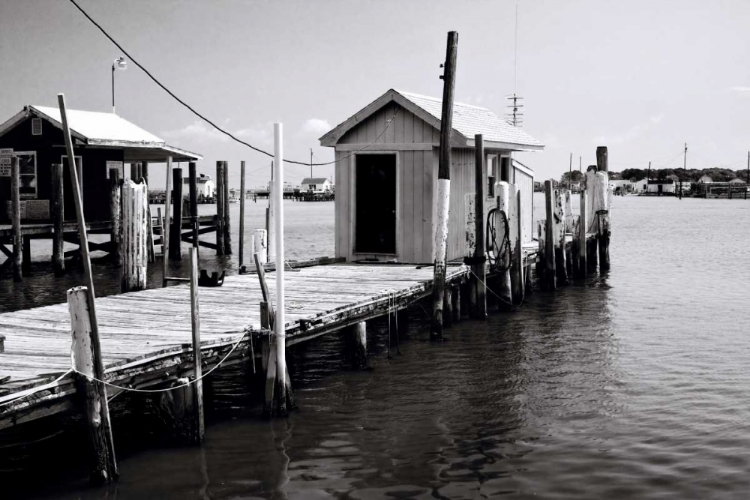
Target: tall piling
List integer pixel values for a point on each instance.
(226, 224)
(175, 250)
(515, 221)
(242, 214)
(15, 197)
(219, 195)
(57, 213)
(479, 270)
(193, 187)
(549, 251)
(133, 242)
(114, 215)
(502, 243)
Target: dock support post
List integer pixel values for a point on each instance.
(583, 225)
(96, 410)
(541, 258)
(260, 244)
(456, 303)
(447, 306)
(219, 195)
(193, 187)
(175, 252)
(133, 242)
(559, 221)
(195, 316)
(144, 171)
(575, 247)
(15, 196)
(515, 220)
(479, 270)
(167, 223)
(549, 237)
(114, 215)
(26, 261)
(602, 214)
(440, 230)
(56, 206)
(242, 214)
(592, 256)
(356, 338)
(227, 218)
(502, 229)
(280, 323)
(567, 228)
(268, 350)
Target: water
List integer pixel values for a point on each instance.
(629, 385)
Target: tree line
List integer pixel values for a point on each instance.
(678, 174)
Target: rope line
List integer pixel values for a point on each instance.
(35, 390)
(205, 119)
(495, 294)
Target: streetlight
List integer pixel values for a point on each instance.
(122, 64)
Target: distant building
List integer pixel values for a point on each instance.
(315, 185)
(206, 187)
(660, 187)
(640, 186)
(705, 180)
(737, 181)
(620, 186)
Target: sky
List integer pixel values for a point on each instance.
(640, 77)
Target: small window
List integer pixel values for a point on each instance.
(36, 126)
(492, 168)
(27, 174)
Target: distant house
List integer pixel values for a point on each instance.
(316, 185)
(206, 187)
(705, 180)
(640, 186)
(387, 176)
(660, 187)
(737, 181)
(620, 186)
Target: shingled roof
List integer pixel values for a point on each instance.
(467, 122)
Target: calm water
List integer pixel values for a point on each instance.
(630, 385)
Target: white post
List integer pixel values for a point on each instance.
(260, 244)
(278, 201)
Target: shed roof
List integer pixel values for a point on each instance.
(106, 130)
(467, 122)
(314, 180)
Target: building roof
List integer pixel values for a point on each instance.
(105, 130)
(467, 122)
(737, 180)
(315, 180)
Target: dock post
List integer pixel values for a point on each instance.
(447, 306)
(227, 225)
(270, 217)
(15, 196)
(260, 244)
(115, 214)
(456, 303)
(356, 338)
(515, 222)
(280, 322)
(26, 260)
(268, 360)
(167, 222)
(602, 213)
(602, 160)
(193, 188)
(575, 247)
(144, 171)
(96, 409)
(479, 269)
(195, 316)
(592, 256)
(583, 224)
(242, 214)
(175, 251)
(219, 196)
(541, 259)
(568, 211)
(56, 207)
(134, 171)
(559, 218)
(502, 229)
(440, 230)
(133, 242)
(549, 237)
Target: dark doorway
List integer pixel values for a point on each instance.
(376, 203)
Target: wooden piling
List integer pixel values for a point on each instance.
(602, 160)
(95, 405)
(479, 269)
(443, 189)
(144, 171)
(568, 214)
(502, 233)
(456, 303)
(357, 345)
(134, 174)
(219, 190)
(167, 222)
(269, 360)
(195, 321)
(583, 223)
(15, 196)
(447, 307)
(592, 257)
(559, 218)
(175, 250)
(56, 209)
(193, 187)
(515, 221)
(133, 240)
(227, 225)
(541, 261)
(242, 213)
(575, 247)
(550, 272)
(114, 215)
(26, 257)
(602, 211)
(260, 244)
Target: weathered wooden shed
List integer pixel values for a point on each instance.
(102, 141)
(386, 175)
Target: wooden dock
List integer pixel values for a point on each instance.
(146, 335)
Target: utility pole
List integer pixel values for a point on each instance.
(570, 172)
(748, 168)
(311, 163)
(444, 186)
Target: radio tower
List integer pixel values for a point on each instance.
(514, 115)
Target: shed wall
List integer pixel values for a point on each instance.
(405, 128)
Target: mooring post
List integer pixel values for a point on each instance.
(280, 322)
(559, 218)
(479, 276)
(260, 244)
(444, 187)
(549, 251)
(515, 221)
(575, 247)
(226, 224)
(541, 258)
(26, 260)
(357, 345)
(502, 242)
(96, 409)
(456, 303)
(56, 207)
(583, 224)
(167, 222)
(219, 195)
(447, 306)
(195, 318)
(193, 187)
(144, 171)
(15, 196)
(269, 360)
(133, 241)
(175, 250)
(114, 215)
(602, 160)
(134, 175)
(568, 211)
(602, 214)
(592, 257)
(242, 213)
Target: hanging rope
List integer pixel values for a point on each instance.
(498, 255)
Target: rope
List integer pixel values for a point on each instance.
(497, 252)
(35, 390)
(514, 307)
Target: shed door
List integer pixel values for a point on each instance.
(376, 203)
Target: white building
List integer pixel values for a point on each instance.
(315, 185)
(206, 187)
(661, 187)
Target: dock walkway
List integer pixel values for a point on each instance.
(146, 335)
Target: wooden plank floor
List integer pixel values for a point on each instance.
(143, 325)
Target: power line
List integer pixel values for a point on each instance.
(199, 115)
